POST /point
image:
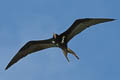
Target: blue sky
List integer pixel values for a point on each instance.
(98, 47)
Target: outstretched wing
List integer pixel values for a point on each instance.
(81, 24)
(30, 47)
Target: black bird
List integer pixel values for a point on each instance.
(60, 41)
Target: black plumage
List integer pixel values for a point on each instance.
(58, 40)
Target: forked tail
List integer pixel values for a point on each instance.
(68, 50)
(73, 53)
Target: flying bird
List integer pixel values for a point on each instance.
(59, 41)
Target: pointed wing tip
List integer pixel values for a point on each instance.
(7, 67)
(107, 19)
(10, 63)
(112, 19)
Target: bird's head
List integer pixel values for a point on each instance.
(55, 36)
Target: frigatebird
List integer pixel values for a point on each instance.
(60, 41)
